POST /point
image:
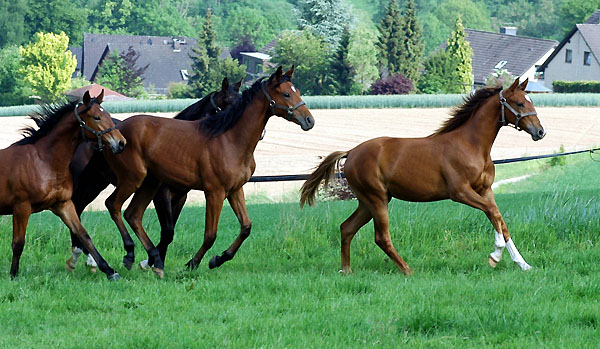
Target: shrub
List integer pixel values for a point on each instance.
(394, 85)
(179, 90)
(576, 86)
(558, 160)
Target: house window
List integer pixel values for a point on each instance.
(184, 74)
(586, 58)
(568, 56)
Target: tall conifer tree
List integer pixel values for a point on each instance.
(341, 71)
(412, 46)
(461, 53)
(390, 40)
(205, 58)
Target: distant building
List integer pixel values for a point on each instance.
(168, 57)
(256, 64)
(577, 56)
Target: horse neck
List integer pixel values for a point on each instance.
(59, 145)
(246, 133)
(482, 128)
(196, 111)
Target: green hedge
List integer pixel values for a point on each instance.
(576, 86)
(337, 102)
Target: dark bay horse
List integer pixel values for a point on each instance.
(92, 174)
(214, 154)
(34, 172)
(452, 163)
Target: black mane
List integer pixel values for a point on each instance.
(462, 113)
(195, 111)
(219, 123)
(46, 119)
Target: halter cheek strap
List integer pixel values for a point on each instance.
(518, 116)
(212, 102)
(85, 127)
(273, 104)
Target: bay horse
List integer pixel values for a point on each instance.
(453, 163)
(92, 174)
(214, 154)
(34, 172)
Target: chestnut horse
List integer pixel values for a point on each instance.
(452, 163)
(92, 175)
(34, 172)
(214, 154)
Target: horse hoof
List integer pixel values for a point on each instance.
(144, 265)
(492, 262)
(127, 263)
(191, 265)
(214, 262)
(524, 266)
(407, 271)
(69, 266)
(159, 272)
(114, 277)
(93, 269)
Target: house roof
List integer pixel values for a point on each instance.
(519, 52)
(590, 34)
(78, 53)
(258, 55)
(95, 89)
(594, 18)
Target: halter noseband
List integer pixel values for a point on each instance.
(212, 102)
(85, 127)
(273, 104)
(518, 116)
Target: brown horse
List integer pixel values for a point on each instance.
(91, 175)
(452, 163)
(214, 154)
(34, 172)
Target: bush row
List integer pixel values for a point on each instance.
(576, 86)
(337, 102)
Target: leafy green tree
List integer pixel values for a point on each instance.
(47, 66)
(120, 73)
(340, 69)
(411, 47)
(572, 12)
(326, 18)
(11, 85)
(54, 16)
(390, 40)
(461, 53)
(309, 55)
(362, 57)
(245, 23)
(438, 74)
(12, 22)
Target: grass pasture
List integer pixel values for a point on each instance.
(283, 289)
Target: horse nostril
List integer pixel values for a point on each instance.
(121, 144)
(541, 133)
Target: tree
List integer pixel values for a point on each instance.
(572, 12)
(340, 69)
(326, 18)
(438, 74)
(362, 57)
(411, 47)
(392, 85)
(309, 55)
(54, 16)
(461, 53)
(47, 66)
(390, 40)
(12, 22)
(11, 85)
(120, 73)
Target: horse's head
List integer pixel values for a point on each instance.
(284, 99)
(96, 123)
(225, 97)
(520, 110)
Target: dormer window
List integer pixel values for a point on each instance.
(500, 65)
(184, 74)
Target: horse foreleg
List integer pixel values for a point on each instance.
(21, 215)
(214, 205)
(238, 204)
(67, 213)
(348, 229)
(134, 215)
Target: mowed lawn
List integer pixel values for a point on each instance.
(283, 288)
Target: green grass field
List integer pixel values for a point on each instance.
(283, 288)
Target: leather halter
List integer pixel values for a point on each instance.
(85, 127)
(212, 102)
(518, 116)
(273, 104)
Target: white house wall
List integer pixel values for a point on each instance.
(558, 69)
(531, 72)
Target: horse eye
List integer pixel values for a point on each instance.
(286, 95)
(520, 105)
(97, 118)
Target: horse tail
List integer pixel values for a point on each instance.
(325, 171)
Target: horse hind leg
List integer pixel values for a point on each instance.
(238, 204)
(348, 229)
(114, 204)
(21, 215)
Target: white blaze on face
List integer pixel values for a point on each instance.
(528, 99)
(293, 88)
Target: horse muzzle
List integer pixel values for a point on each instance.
(306, 122)
(117, 145)
(536, 133)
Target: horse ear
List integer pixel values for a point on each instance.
(523, 85)
(86, 98)
(290, 72)
(100, 97)
(514, 85)
(225, 84)
(277, 74)
(238, 85)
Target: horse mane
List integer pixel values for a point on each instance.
(46, 119)
(219, 123)
(462, 113)
(192, 111)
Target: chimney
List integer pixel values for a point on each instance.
(508, 30)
